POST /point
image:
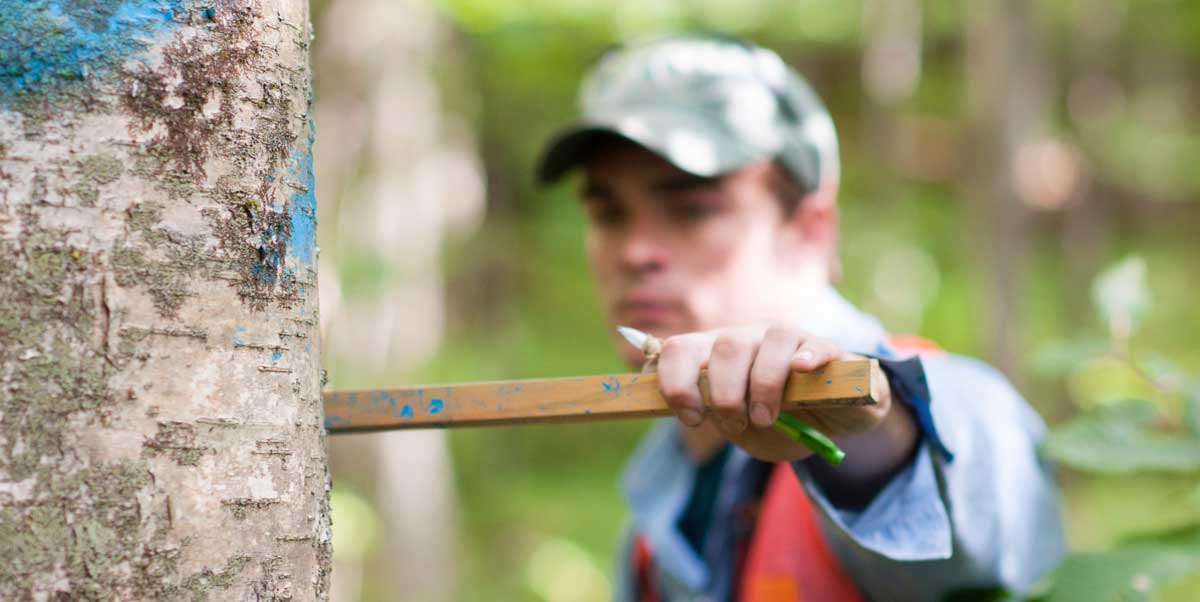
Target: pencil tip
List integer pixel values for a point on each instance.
(635, 337)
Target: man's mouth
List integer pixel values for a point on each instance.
(645, 312)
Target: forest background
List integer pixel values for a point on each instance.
(997, 157)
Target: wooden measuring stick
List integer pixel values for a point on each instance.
(571, 399)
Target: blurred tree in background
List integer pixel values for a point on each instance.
(996, 156)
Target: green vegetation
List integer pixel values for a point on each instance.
(1122, 391)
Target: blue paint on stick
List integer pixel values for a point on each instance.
(613, 386)
(435, 405)
(406, 411)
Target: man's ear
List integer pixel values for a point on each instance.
(816, 220)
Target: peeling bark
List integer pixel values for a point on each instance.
(160, 414)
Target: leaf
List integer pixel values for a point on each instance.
(1116, 439)
(1056, 358)
(1184, 539)
(1121, 296)
(1162, 370)
(1128, 574)
(1191, 406)
(1107, 380)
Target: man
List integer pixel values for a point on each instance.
(710, 174)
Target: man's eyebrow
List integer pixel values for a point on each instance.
(593, 190)
(685, 183)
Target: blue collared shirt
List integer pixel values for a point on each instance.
(976, 507)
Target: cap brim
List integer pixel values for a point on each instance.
(687, 142)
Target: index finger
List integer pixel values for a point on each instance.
(814, 353)
(678, 376)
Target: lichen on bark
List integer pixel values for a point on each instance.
(190, 97)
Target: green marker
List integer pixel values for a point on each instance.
(800, 432)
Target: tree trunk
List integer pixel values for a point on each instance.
(1006, 98)
(160, 414)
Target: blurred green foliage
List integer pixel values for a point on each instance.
(1141, 426)
(521, 303)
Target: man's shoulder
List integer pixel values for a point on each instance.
(951, 370)
(965, 388)
(966, 369)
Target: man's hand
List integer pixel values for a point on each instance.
(747, 369)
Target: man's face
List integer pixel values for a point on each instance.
(672, 252)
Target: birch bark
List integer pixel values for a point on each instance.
(160, 416)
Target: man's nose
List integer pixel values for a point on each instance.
(643, 248)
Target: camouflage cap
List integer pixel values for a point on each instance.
(709, 105)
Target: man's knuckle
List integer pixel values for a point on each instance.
(728, 347)
(728, 395)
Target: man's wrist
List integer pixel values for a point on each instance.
(873, 458)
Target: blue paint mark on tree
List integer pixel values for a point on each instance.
(69, 48)
(275, 356)
(237, 340)
(406, 411)
(303, 209)
(435, 405)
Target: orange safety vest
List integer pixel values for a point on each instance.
(788, 559)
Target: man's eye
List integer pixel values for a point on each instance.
(692, 211)
(606, 214)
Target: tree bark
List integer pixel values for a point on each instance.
(160, 416)
(1006, 105)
